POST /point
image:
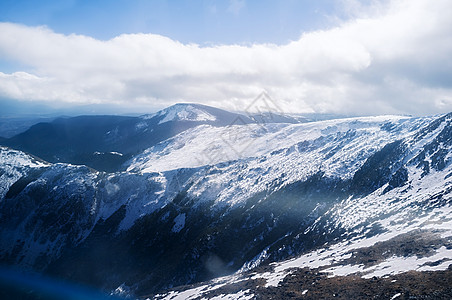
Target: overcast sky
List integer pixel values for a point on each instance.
(330, 56)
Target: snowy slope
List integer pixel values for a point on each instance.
(213, 200)
(262, 154)
(211, 145)
(427, 227)
(388, 232)
(14, 164)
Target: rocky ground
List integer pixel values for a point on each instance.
(321, 283)
(313, 284)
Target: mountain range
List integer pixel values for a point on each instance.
(194, 202)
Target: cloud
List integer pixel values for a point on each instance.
(393, 59)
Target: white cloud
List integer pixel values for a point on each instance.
(394, 60)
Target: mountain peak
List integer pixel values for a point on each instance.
(183, 112)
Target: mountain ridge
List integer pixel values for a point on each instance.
(313, 192)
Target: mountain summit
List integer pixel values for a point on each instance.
(184, 112)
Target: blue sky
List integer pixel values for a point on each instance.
(357, 57)
(198, 21)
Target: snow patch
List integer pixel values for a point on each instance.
(241, 295)
(395, 296)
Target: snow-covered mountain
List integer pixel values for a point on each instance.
(183, 112)
(106, 142)
(365, 196)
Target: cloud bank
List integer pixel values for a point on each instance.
(395, 58)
